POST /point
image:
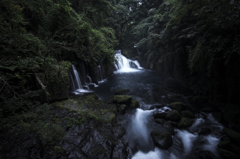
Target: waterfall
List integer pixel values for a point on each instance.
(89, 79)
(126, 65)
(77, 79)
(99, 73)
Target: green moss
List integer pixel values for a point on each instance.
(122, 99)
(134, 103)
(177, 106)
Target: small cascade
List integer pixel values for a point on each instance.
(126, 65)
(76, 82)
(77, 79)
(99, 73)
(89, 79)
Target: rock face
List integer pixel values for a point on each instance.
(134, 104)
(168, 127)
(173, 116)
(185, 122)
(122, 91)
(122, 99)
(162, 139)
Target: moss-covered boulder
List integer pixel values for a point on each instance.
(187, 114)
(162, 139)
(168, 126)
(177, 106)
(122, 91)
(185, 122)
(173, 116)
(233, 135)
(225, 154)
(224, 144)
(134, 104)
(122, 99)
(122, 108)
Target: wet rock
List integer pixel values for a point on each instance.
(225, 154)
(177, 106)
(233, 135)
(158, 106)
(91, 86)
(205, 131)
(174, 124)
(162, 139)
(134, 103)
(206, 155)
(187, 114)
(118, 131)
(122, 108)
(160, 115)
(120, 151)
(173, 116)
(151, 108)
(235, 149)
(224, 144)
(168, 127)
(185, 122)
(122, 91)
(122, 99)
(160, 121)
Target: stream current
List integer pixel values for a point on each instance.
(151, 89)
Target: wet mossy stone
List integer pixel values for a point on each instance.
(97, 150)
(187, 114)
(168, 126)
(118, 131)
(185, 122)
(225, 154)
(224, 144)
(173, 116)
(122, 108)
(177, 106)
(162, 139)
(233, 135)
(160, 115)
(159, 121)
(122, 91)
(134, 103)
(122, 99)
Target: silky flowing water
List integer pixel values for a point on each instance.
(150, 88)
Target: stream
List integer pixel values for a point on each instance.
(151, 90)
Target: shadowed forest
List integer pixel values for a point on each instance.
(197, 43)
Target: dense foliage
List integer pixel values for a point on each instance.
(39, 40)
(196, 42)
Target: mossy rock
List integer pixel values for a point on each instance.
(235, 149)
(187, 114)
(58, 149)
(233, 135)
(173, 116)
(177, 106)
(134, 104)
(160, 115)
(224, 144)
(162, 139)
(185, 122)
(110, 117)
(225, 154)
(118, 131)
(122, 108)
(98, 150)
(168, 126)
(122, 91)
(122, 99)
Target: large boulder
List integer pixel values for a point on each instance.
(168, 127)
(187, 114)
(162, 139)
(225, 154)
(122, 99)
(173, 116)
(185, 122)
(159, 121)
(122, 91)
(134, 103)
(177, 106)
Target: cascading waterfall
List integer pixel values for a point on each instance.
(126, 65)
(99, 72)
(77, 79)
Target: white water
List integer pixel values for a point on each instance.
(196, 124)
(123, 64)
(187, 140)
(211, 144)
